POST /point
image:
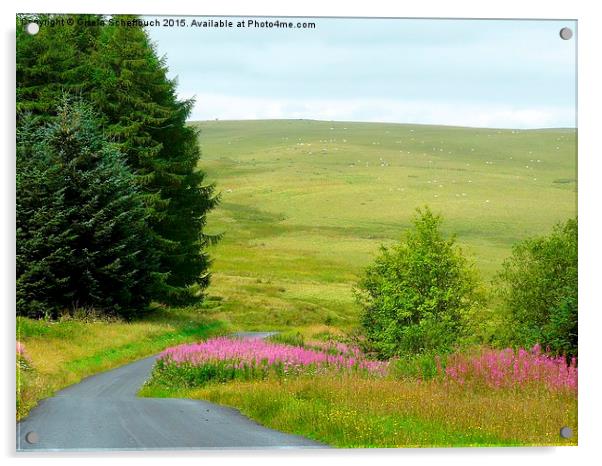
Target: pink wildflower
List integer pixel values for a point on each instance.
(507, 368)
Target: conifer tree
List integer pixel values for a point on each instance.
(117, 70)
(82, 237)
(147, 119)
(53, 61)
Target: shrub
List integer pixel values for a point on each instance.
(288, 338)
(423, 366)
(538, 287)
(416, 294)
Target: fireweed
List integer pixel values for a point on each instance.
(23, 361)
(512, 369)
(222, 359)
(474, 397)
(21, 350)
(335, 347)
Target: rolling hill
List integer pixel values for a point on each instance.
(306, 204)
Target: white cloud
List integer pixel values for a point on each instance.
(227, 107)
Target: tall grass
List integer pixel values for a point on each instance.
(480, 397)
(345, 410)
(61, 353)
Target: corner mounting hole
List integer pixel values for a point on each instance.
(32, 28)
(32, 437)
(566, 432)
(566, 33)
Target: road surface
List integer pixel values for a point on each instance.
(103, 412)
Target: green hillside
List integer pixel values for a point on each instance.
(306, 204)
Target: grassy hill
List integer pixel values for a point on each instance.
(306, 204)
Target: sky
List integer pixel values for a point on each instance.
(483, 73)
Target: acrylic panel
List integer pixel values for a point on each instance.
(259, 233)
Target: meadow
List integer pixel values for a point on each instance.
(334, 394)
(306, 205)
(347, 412)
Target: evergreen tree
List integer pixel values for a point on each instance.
(117, 69)
(149, 122)
(82, 237)
(53, 61)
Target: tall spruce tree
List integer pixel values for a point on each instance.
(82, 237)
(149, 122)
(52, 62)
(117, 69)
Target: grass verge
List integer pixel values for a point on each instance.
(350, 411)
(58, 354)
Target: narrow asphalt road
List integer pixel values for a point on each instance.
(103, 412)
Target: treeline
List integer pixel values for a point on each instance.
(111, 206)
(423, 295)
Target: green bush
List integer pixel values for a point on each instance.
(423, 366)
(288, 338)
(538, 288)
(417, 294)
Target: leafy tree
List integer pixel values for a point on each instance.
(416, 293)
(538, 286)
(82, 237)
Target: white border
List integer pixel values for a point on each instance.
(590, 154)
